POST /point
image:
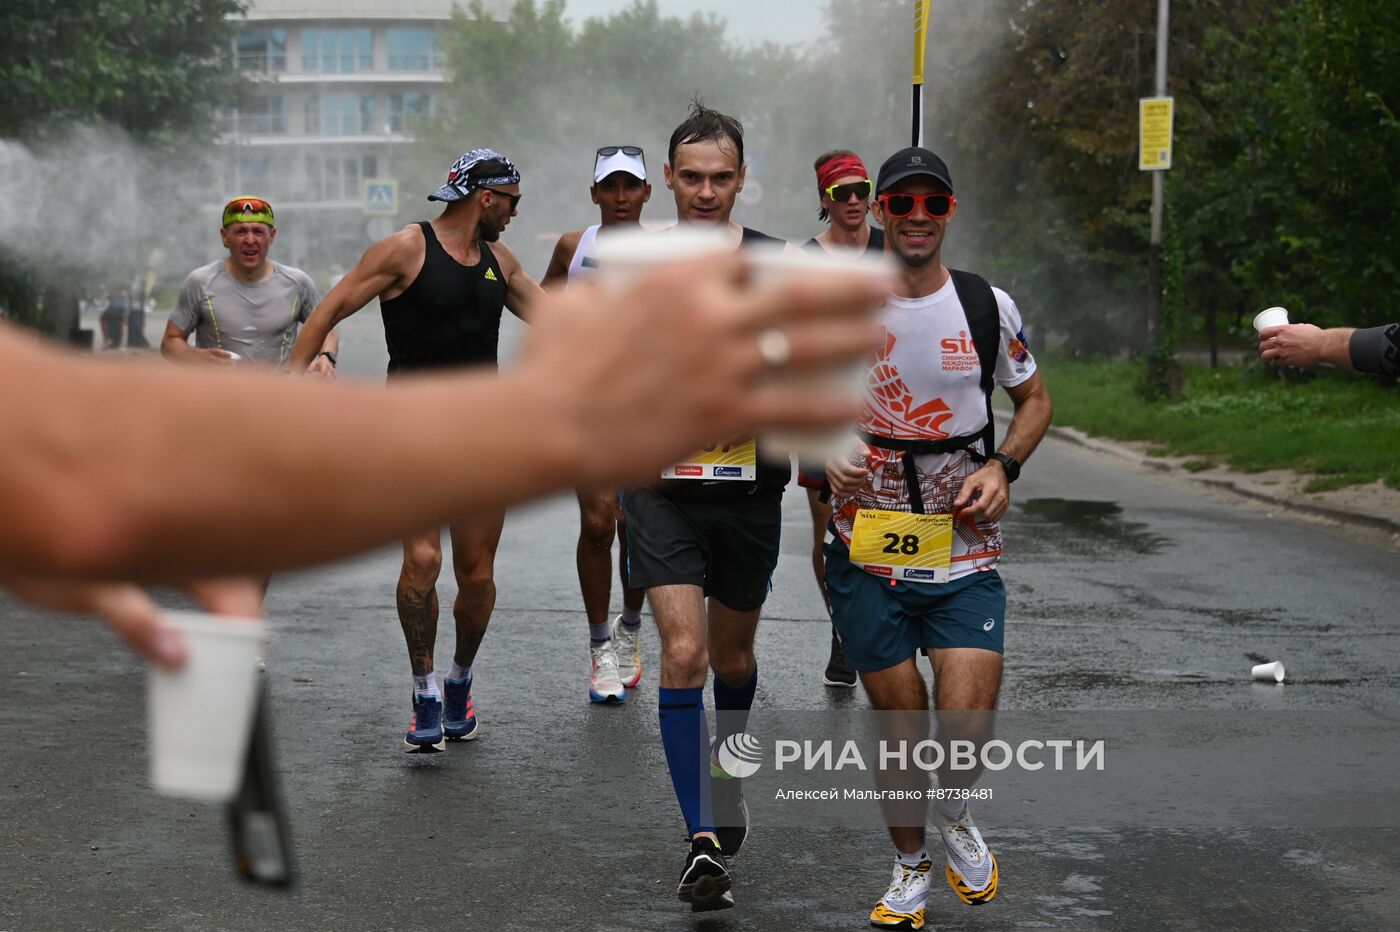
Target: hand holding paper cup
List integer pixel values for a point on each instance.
(201, 715)
(1273, 317)
(1268, 672)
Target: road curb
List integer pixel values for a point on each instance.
(1237, 487)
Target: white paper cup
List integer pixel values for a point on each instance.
(1273, 317)
(1268, 672)
(201, 716)
(626, 255)
(776, 265)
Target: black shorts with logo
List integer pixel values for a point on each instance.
(729, 547)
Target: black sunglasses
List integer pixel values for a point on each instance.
(841, 193)
(606, 151)
(514, 198)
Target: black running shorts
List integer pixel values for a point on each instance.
(728, 548)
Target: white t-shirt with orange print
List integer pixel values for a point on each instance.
(925, 384)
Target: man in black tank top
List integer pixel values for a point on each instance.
(441, 287)
(844, 189)
(690, 540)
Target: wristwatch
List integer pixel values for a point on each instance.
(1010, 463)
(331, 356)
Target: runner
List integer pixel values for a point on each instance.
(245, 307)
(843, 191)
(950, 338)
(695, 538)
(441, 287)
(619, 189)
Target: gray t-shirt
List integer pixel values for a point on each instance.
(258, 322)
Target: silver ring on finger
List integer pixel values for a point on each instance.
(775, 348)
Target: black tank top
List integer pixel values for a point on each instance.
(876, 243)
(450, 315)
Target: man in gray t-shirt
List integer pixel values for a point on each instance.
(245, 307)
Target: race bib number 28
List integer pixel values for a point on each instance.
(901, 545)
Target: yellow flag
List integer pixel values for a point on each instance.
(920, 38)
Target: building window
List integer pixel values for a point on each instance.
(337, 51)
(408, 111)
(339, 114)
(340, 178)
(256, 116)
(261, 50)
(413, 49)
(258, 176)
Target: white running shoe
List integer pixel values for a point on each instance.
(902, 906)
(627, 645)
(604, 685)
(972, 868)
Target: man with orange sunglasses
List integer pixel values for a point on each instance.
(245, 307)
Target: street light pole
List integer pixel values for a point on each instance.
(1156, 338)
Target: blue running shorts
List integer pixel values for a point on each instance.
(882, 624)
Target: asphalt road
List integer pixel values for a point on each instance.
(1128, 590)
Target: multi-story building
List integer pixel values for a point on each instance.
(336, 89)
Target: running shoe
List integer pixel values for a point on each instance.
(902, 906)
(604, 685)
(459, 719)
(705, 881)
(838, 671)
(425, 731)
(627, 645)
(972, 868)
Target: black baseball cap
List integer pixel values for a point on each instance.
(906, 163)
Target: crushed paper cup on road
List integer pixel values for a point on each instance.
(1273, 317)
(1268, 672)
(201, 716)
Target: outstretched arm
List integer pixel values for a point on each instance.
(384, 266)
(154, 491)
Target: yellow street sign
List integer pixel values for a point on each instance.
(1155, 134)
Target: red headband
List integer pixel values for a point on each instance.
(840, 167)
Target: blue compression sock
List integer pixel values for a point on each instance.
(732, 706)
(684, 735)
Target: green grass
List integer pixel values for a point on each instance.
(1341, 428)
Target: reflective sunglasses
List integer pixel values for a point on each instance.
(937, 206)
(841, 193)
(514, 198)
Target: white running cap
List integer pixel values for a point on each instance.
(619, 161)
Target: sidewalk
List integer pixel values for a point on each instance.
(1373, 506)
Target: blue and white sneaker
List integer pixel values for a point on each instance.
(425, 731)
(459, 719)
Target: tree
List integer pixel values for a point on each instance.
(154, 71)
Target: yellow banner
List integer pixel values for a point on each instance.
(1155, 134)
(902, 545)
(920, 38)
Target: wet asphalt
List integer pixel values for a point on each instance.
(1128, 589)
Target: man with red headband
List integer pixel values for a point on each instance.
(245, 307)
(843, 193)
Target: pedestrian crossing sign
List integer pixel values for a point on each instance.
(381, 197)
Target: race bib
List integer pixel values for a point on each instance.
(902, 545)
(739, 462)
